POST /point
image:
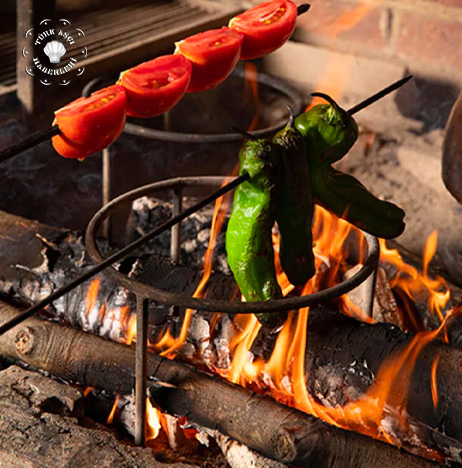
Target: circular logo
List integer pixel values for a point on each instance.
(59, 50)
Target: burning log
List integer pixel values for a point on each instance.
(261, 423)
(342, 359)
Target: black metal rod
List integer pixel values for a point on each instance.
(121, 254)
(29, 142)
(141, 369)
(161, 296)
(175, 236)
(303, 8)
(107, 173)
(375, 97)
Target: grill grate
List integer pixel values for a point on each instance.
(119, 38)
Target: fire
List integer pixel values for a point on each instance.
(92, 298)
(131, 330)
(153, 420)
(412, 285)
(168, 344)
(110, 418)
(252, 83)
(347, 20)
(380, 412)
(87, 391)
(336, 75)
(434, 386)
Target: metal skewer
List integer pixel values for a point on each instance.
(162, 228)
(375, 97)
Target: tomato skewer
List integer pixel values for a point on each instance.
(265, 27)
(90, 124)
(154, 87)
(213, 55)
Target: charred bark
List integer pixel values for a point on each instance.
(261, 423)
(343, 355)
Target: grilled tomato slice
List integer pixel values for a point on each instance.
(265, 27)
(213, 55)
(90, 124)
(154, 87)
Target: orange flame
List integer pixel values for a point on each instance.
(252, 83)
(110, 418)
(131, 330)
(347, 20)
(336, 74)
(87, 391)
(167, 343)
(413, 285)
(381, 411)
(434, 386)
(92, 298)
(153, 420)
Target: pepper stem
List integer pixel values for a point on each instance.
(245, 134)
(329, 100)
(290, 123)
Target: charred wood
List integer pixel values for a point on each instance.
(343, 356)
(261, 423)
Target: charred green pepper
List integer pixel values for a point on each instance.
(249, 244)
(294, 213)
(346, 197)
(330, 132)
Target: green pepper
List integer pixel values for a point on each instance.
(249, 245)
(329, 131)
(295, 207)
(347, 198)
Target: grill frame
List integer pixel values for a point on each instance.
(177, 185)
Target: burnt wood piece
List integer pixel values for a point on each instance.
(343, 355)
(261, 423)
(39, 428)
(41, 258)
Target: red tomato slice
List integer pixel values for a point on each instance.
(156, 86)
(213, 55)
(265, 27)
(90, 124)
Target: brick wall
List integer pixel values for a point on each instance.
(423, 35)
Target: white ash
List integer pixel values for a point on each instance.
(148, 213)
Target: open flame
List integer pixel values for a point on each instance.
(380, 412)
(153, 421)
(110, 418)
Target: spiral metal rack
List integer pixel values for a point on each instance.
(144, 292)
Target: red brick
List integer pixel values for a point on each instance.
(454, 3)
(432, 41)
(355, 23)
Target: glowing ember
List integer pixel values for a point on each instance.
(110, 418)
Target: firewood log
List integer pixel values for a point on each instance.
(259, 422)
